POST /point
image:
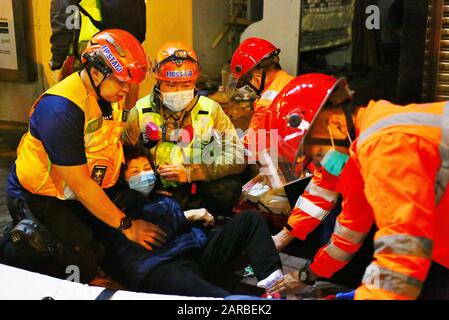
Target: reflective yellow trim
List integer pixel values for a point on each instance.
(328, 195)
(46, 176)
(378, 277)
(352, 236)
(311, 208)
(338, 253)
(404, 244)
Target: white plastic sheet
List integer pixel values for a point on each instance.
(18, 284)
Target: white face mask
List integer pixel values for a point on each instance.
(177, 101)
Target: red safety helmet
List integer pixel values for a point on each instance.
(117, 52)
(297, 105)
(248, 55)
(176, 61)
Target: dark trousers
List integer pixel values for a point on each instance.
(66, 221)
(217, 196)
(194, 275)
(436, 286)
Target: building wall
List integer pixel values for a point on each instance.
(209, 17)
(166, 20)
(16, 98)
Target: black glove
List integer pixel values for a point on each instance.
(32, 234)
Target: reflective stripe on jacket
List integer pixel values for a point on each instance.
(397, 176)
(170, 152)
(206, 117)
(102, 143)
(314, 204)
(202, 123)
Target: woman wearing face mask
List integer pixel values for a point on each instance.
(187, 261)
(140, 176)
(198, 155)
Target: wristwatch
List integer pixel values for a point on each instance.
(125, 223)
(305, 275)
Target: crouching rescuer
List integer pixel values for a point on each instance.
(194, 144)
(69, 157)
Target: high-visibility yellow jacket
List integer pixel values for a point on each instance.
(93, 7)
(204, 126)
(397, 177)
(102, 143)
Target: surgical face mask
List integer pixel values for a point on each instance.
(143, 182)
(177, 101)
(334, 161)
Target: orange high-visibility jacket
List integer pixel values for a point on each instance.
(397, 177)
(314, 204)
(261, 105)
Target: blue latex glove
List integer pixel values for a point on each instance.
(345, 295)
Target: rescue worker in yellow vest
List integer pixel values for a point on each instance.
(198, 154)
(396, 175)
(73, 151)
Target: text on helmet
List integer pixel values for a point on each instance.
(108, 54)
(179, 74)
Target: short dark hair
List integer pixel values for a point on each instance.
(131, 153)
(134, 152)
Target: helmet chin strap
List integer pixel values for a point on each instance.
(262, 82)
(105, 106)
(157, 95)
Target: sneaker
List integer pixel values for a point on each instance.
(248, 272)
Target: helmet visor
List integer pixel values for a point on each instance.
(280, 171)
(135, 72)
